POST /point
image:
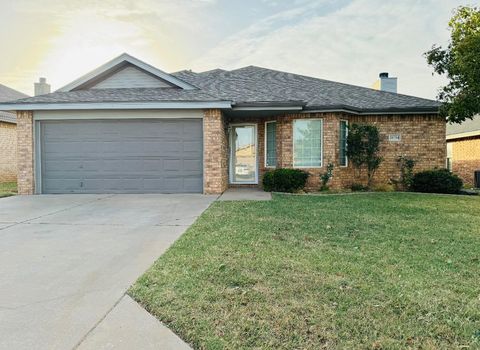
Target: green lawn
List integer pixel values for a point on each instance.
(366, 271)
(8, 189)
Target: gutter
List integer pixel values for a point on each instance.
(269, 106)
(372, 111)
(225, 105)
(116, 105)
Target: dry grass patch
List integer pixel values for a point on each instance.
(8, 189)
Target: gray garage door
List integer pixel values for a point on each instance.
(122, 156)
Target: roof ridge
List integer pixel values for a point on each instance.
(215, 70)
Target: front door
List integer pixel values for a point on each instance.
(243, 154)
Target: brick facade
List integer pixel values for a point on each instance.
(466, 158)
(8, 152)
(25, 152)
(215, 152)
(422, 138)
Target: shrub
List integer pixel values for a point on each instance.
(285, 180)
(384, 188)
(325, 177)
(436, 181)
(358, 187)
(363, 146)
(406, 171)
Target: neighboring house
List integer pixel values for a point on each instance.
(463, 149)
(128, 127)
(8, 136)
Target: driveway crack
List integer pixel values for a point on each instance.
(57, 211)
(99, 321)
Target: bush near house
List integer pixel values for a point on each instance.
(363, 142)
(285, 180)
(436, 181)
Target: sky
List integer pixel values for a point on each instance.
(349, 41)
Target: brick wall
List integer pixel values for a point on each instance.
(8, 152)
(215, 152)
(422, 138)
(466, 158)
(25, 152)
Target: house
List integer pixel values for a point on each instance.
(128, 127)
(8, 136)
(463, 149)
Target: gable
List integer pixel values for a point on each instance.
(126, 71)
(130, 77)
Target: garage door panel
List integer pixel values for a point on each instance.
(50, 185)
(63, 165)
(190, 184)
(122, 156)
(191, 146)
(194, 165)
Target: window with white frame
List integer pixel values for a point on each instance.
(307, 143)
(271, 144)
(343, 161)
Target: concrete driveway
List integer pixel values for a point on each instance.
(67, 260)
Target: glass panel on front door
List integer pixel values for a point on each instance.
(244, 154)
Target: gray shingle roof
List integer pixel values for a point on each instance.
(9, 94)
(122, 95)
(468, 126)
(250, 85)
(256, 84)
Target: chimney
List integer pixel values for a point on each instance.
(385, 83)
(42, 88)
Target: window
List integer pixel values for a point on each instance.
(307, 143)
(449, 155)
(343, 161)
(270, 144)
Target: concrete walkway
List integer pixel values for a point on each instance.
(66, 262)
(245, 194)
(129, 326)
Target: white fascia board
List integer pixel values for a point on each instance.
(289, 108)
(132, 60)
(463, 135)
(116, 105)
(343, 110)
(118, 114)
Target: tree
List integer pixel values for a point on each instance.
(460, 62)
(363, 145)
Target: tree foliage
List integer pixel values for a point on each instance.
(363, 145)
(460, 62)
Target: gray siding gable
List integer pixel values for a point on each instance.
(130, 77)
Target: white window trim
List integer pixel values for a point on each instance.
(346, 137)
(265, 145)
(230, 141)
(293, 145)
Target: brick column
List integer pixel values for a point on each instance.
(215, 157)
(285, 141)
(25, 152)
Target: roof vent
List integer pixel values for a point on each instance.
(384, 83)
(41, 88)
